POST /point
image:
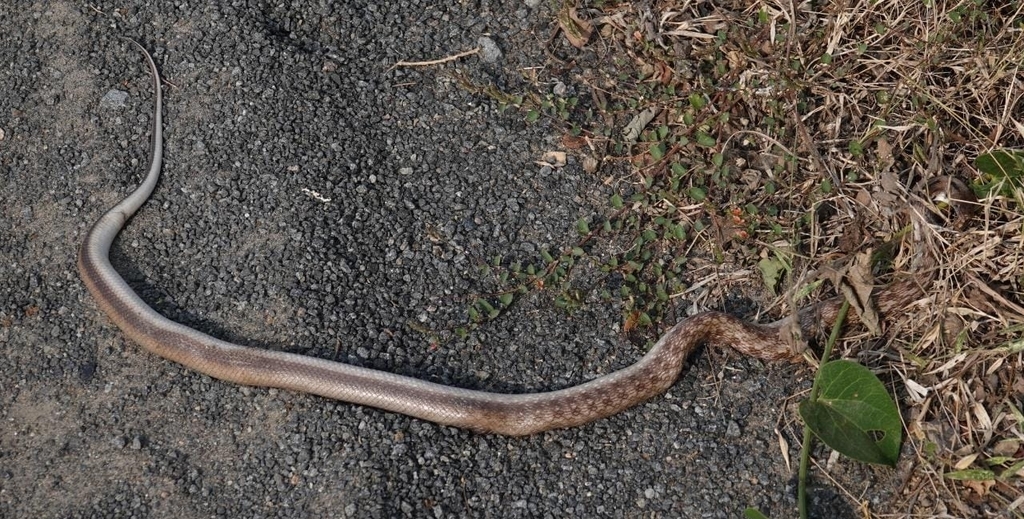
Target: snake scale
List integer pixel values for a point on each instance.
(508, 414)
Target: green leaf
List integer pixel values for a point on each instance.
(505, 299)
(705, 140)
(999, 460)
(532, 116)
(807, 289)
(854, 414)
(753, 513)
(1001, 169)
(645, 320)
(581, 226)
(661, 293)
(1013, 470)
(772, 270)
(1001, 163)
(971, 475)
(616, 201)
(679, 232)
(856, 148)
(658, 151)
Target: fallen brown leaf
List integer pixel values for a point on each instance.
(576, 29)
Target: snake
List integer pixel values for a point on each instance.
(479, 411)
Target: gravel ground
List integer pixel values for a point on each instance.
(425, 181)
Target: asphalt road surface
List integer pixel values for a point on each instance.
(314, 200)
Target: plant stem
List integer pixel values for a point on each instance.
(805, 449)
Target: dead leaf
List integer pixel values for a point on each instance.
(590, 164)
(863, 197)
(736, 60)
(887, 197)
(663, 72)
(856, 283)
(573, 142)
(1006, 447)
(862, 283)
(632, 130)
(576, 29)
(980, 487)
(631, 321)
(965, 462)
(783, 448)
(853, 237)
(884, 152)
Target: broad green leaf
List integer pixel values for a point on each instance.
(854, 414)
(1001, 163)
(1000, 168)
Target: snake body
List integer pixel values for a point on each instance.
(509, 414)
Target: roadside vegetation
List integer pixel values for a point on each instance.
(752, 145)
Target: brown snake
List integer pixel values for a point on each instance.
(480, 411)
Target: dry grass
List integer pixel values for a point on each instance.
(791, 135)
